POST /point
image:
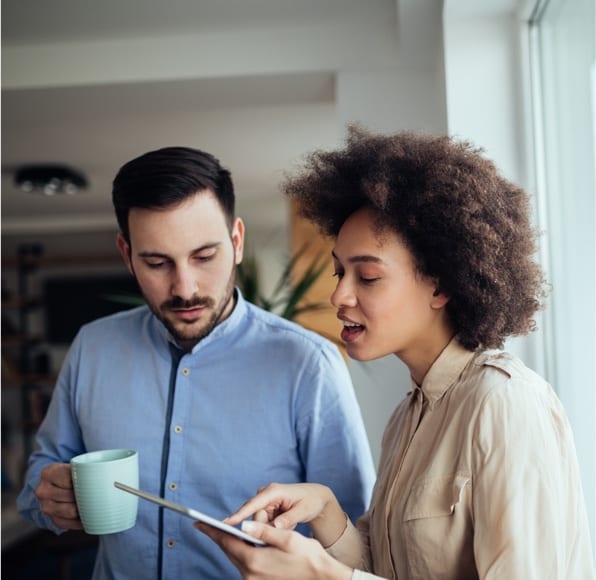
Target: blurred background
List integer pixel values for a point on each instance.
(86, 86)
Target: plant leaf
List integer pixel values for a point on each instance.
(287, 293)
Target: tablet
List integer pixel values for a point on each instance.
(191, 513)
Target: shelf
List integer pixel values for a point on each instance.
(57, 261)
(19, 340)
(17, 303)
(29, 380)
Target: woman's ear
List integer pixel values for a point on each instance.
(439, 299)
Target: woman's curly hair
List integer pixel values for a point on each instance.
(467, 227)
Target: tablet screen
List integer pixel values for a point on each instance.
(191, 513)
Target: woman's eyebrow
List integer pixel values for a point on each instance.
(361, 258)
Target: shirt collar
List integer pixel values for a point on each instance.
(445, 370)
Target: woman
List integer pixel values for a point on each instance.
(478, 476)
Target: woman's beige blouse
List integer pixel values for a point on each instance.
(478, 478)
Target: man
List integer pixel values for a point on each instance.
(218, 396)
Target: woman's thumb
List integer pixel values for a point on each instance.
(269, 534)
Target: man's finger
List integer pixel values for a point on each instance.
(58, 475)
(51, 492)
(68, 524)
(63, 510)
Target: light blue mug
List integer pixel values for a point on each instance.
(103, 508)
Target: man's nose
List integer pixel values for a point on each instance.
(184, 283)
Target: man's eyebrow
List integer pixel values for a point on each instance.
(153, 255)
(361, 258)
(150, 254)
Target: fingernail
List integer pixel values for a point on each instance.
(248, 526)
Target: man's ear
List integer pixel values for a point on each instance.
(124, 248)
(238, 240)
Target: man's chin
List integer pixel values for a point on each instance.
(188, 333)
(188, 336)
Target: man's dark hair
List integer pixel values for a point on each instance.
(166, 177)
(467, 227)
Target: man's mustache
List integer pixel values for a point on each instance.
(176, 302)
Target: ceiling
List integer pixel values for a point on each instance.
(257, 120)
(254, 82)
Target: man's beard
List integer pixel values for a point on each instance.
(217, 312)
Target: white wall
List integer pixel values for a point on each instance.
(406, 93)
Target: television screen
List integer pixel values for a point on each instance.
(73, 301)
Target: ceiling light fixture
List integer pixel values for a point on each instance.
(50, 179)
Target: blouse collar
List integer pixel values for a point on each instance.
(446, 370)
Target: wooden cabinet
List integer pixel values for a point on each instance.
(29, 360)
(323, 321)
(22, 381)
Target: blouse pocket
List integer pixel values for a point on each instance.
(435, 497)
(438, 529)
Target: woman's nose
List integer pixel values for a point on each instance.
(343, 295)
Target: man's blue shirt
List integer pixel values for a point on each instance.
(259, 400)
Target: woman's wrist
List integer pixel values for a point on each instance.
(331, 522)
(336, 570)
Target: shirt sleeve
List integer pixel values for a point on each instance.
(529, 517)
(350, 549)
(332, 440)
(57, 441)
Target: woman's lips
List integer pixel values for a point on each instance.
(351, 331)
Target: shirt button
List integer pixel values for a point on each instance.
(170, 543)
(173, 486)
(186, 372)
(177, 429)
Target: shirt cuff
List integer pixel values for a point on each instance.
(348, 548)
(360, 575)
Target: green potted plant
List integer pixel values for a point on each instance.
(287, 297)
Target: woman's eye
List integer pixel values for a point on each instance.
(338, 274)
(368, 280)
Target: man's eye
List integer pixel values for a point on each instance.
(205, 258)
(155, 265)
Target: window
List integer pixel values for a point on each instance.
(563, 63)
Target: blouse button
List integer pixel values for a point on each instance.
(170, 543)
(177, 429)
(186, 371)
(173, 486)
